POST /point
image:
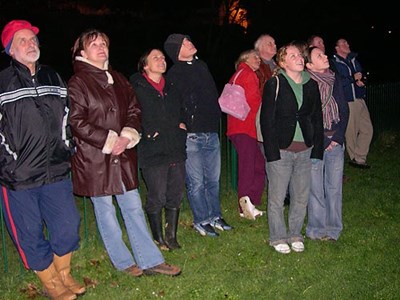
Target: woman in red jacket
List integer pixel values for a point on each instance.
(243, 135)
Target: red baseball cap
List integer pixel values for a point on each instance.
(11, 28)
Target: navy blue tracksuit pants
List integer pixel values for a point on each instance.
(27, 212)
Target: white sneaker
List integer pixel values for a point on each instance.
(282, 248)
(247, 208)
(258, 213)
(298, 246)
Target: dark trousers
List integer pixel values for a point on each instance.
(165, 186)
(26, 212)
(251, 167)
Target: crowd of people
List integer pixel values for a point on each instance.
(97, 133)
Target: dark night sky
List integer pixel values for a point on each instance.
(372, 30)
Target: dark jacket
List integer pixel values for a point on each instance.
(33, 149)
(97, 109)
(161, 114)
(339, 128)
(279, 117)
(346, 68)
(200, 95)
(263, 73)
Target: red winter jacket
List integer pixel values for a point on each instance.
(248, 80)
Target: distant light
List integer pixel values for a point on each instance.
(389, 31)
(372, 27)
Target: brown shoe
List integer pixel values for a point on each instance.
(134, 271)
(163, 268)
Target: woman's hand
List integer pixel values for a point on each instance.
(120, 145)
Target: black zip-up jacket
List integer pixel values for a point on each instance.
(161, 114)
(34, 149)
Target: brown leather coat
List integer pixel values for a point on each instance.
(98, 107)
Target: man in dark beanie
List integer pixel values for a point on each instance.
(197, 87)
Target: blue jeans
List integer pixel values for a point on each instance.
(145, 251)
(325, 203)
(293, 170)
(203, 169)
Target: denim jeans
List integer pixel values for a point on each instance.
(293, 170)
(144, 249)
(325, 203)
(203, 169)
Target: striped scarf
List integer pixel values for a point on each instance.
(330, 110)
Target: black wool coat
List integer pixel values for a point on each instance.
(161, 114)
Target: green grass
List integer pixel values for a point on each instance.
(363, 264)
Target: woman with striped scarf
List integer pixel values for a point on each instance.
(325, 203)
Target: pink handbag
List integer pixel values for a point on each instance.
(233, 100)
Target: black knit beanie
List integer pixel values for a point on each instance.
(173, 44)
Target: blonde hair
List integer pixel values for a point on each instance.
(244, 56)
(281, 55)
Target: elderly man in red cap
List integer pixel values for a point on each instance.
(35, 163)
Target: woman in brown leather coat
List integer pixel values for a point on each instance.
(105, 120)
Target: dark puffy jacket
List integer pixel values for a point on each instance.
(161, 114)
(33, 109)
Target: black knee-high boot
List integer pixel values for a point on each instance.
(171, 227)
(155, 221)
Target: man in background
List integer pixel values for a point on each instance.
(359, 129)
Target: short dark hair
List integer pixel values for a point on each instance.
(85, 38)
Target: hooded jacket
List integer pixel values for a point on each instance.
(198, 90)
(100, 112)
(161, 114)
(34, 149)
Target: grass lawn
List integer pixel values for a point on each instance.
(239, 264)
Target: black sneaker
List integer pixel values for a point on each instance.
(220, 223)
(359, 165)
(205, 229)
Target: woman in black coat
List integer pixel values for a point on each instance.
(162, 149)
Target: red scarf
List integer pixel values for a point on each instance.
(158, 86)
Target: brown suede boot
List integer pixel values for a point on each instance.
(53, 285)
(63, 267)
(163, 268)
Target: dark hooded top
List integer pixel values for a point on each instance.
(198, 90)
